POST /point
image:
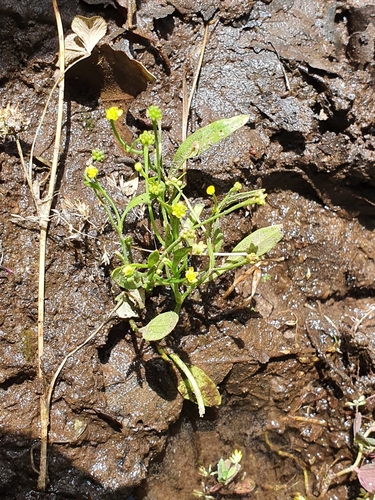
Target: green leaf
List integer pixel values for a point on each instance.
(211, 395)
(196, 213)
(250, 197)
(127, 282)
(258, 242)
(205, 137)
(178, 255)
(160, 327)
(137, 200)
(261, 240)
(153, 258)
(222, 472)
(218, 236)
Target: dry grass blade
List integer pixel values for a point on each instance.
(44, 214)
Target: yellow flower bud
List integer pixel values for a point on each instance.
(127, 271)
(179, 209)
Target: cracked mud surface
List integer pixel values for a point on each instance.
(304, 72)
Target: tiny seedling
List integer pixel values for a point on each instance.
(221, 481)
(187, 234)
(228, 469)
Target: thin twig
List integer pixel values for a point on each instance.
(186, 101)
(31, 159)
(48, 394)
(286, 80)
(26, 172)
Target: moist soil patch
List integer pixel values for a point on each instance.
(287, 361)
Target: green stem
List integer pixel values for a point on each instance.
(149, 203)
(127, 148)
(158, 154)
(226, 212)
(118, 226)
(193, 383)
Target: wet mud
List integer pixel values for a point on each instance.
(285, 362)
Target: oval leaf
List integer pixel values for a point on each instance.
(210, 394)
(153, 258)
(366, 476)
(160, 327)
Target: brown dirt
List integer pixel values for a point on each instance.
(304, 72)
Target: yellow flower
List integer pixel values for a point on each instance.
(91, 172)
(260, 199)
(210, 190)
(198, 248)
(113, 113)
(179, 209)
(191, 275)
(236, 457)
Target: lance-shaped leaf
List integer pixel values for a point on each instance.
(178, 256)
(134, 202)
(259, 242)
(210, 394)
(160, 327)
(205, 137)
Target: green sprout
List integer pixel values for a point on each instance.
(182, 230)
(228, 469)
(216, 482)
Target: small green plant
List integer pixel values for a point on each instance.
(225, 473)
(228, 469)
(188, 237)
(364, 464)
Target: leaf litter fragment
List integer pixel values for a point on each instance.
(88, 31)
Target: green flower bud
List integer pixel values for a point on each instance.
(97, 155)
(147, 138)
(154, 113)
